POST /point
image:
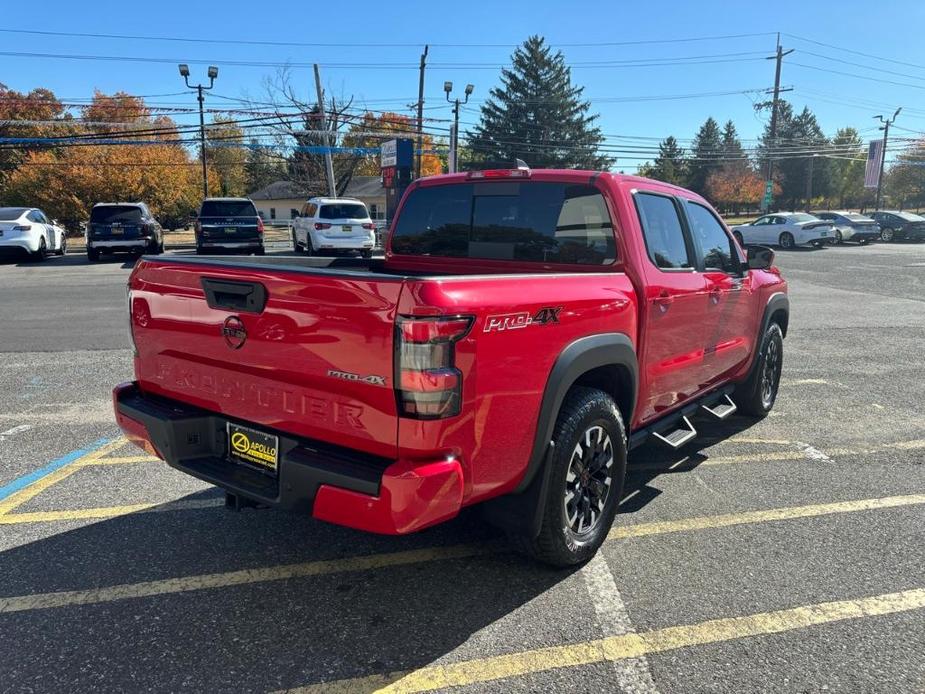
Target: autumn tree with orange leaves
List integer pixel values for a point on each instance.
(65, 180)
(402, 126)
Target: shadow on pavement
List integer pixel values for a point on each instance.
(260, 634)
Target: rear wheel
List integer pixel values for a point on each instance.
(260, 251)
(93, 254)
(887, 234)
(42, 253)
(757, 395)
(787, 241)
(585, 480)
(63, 249)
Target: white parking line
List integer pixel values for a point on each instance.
(632, 674)
(4, 435)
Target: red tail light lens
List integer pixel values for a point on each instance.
(322, 225)
(428, 384)
(499, 173)
(370, 227)
(259, 225)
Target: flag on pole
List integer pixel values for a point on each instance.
(872, 171)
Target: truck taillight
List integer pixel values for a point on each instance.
(259, 225)
(427, 382)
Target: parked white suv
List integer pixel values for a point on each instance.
(26, 230)
(333, 225)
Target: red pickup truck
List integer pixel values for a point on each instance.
(525, 329)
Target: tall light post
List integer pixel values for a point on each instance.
(454, 136)
(887, 122)
(213, 73)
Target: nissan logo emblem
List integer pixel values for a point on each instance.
(234, 332)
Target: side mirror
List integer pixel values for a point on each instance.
(296, 215)
(759, 257)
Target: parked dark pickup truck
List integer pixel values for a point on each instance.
(525, 329)
(229, 224)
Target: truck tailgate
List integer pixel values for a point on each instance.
(315, 361)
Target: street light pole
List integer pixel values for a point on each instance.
(887, 122)
(454, 136)
(213, 73)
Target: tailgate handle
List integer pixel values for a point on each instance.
(250, 297)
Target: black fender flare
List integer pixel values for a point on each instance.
(522, 508)
(778, 301)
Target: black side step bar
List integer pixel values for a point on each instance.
(675, 429)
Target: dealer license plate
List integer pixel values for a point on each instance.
(231, 230)
(253, 447)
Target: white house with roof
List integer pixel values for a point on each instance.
(281, 200)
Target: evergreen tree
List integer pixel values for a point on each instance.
(538, 115)
(732, 146)
(798, 137)
(707, 150)
(847, 172)
(670, 166)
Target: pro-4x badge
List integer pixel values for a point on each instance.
(513, 321)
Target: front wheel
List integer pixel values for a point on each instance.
(296, 247)
(588, 465)
(887, 234)
(838, 237)
(757, 395)
(787, 241)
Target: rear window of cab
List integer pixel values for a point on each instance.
(535, 221)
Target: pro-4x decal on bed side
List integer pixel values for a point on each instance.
(513, 321)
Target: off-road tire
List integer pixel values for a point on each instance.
(584, 410)
(753, 397)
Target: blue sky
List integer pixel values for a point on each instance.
(354, 33)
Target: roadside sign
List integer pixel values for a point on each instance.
(872, 170)
(388, 153)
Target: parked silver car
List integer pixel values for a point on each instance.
(851, 226)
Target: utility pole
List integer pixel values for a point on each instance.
(779, 57)
(887, 122)
(454, 134)
(212, 73)
(420, 157)
(328, 162)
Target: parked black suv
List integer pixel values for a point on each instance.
(127, 227)
(899, 225)
(229, 224)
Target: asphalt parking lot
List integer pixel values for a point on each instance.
(786, 555)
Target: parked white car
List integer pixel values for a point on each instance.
(26, 230)
(786, 229)
(333, 225)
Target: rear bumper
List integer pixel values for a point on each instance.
(18, 245)
(332, 484)
(334, 243)
(119, 244)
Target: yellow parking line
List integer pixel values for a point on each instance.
(626, 646)
(378, 561)
(169, 586)
(107, 511)
(124, 460)
(36, 488)
(773, 514)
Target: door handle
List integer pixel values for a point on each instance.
(664, 300)
(716, 294)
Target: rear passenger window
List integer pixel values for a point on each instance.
(715, 245)
(663, 232)
(533, 221)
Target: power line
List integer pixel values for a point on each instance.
(849, 50)
(419, 44)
